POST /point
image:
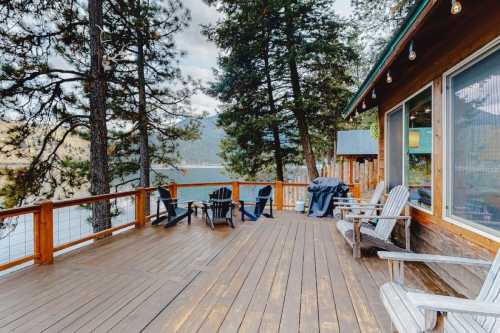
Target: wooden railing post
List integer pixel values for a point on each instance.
(356, 190)
(43, 224)
(278, 195)
(173, 190)
(236, 191)
(140, 207)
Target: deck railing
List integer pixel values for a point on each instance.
(50, 227)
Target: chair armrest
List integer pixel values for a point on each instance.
(360, 205)
(345, 198)
(353, 217)
(454, 304)
(431, 258)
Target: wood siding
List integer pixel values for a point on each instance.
(464, 35)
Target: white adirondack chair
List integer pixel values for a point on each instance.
(360, 206)
(415, 311)
(360, 235)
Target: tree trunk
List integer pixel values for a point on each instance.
(278, 153)
(145, 162)
(298, 108)
(99, 176)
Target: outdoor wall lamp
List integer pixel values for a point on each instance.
(456, 7)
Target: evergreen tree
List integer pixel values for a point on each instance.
(70, 68)
(158, 96)
(309, 59)
(252, 115)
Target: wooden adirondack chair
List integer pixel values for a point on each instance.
(219, 208)
(260, 203)
(360, 206)
(414, 311)
(175, 213)
(360, 235)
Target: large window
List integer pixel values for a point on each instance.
(473, 137)
(418, 148)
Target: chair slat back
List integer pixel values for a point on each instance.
(220, 203)
(166, 198)
(490, 292)
(394, 205)
(261, 200)
(375, 199)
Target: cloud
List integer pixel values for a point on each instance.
(201, 55)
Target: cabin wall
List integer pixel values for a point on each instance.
(430, 233)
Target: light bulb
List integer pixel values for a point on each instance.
(350, 119)
(389, 77)
(412, 117)
(412, 55)
(427, 110)
(357, 114)
(374, 94)
(456, 7)
(364, 105)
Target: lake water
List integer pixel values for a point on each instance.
(73, 222)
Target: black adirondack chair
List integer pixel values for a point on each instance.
(175, 214)
(219, 208)
(260, 203)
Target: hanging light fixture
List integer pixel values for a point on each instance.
(389, 77)
(412, 55)
(412, 117)
(356, 115)
(363, 105)
(350, 119)
(374, 94)
(427, 110)
(456, 7)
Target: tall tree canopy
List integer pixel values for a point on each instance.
(104, 70)
(290, 58)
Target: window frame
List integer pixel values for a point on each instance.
(402, 105)
(447, 195)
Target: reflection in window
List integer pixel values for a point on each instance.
(474, 134)
(419, 148)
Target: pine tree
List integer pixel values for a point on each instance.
(246, 82)
(309, 55)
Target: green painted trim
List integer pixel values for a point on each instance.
(384, 55)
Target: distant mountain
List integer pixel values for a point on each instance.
(204, 150)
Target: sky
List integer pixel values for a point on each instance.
(201, 55)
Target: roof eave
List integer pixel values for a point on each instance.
(399, 38)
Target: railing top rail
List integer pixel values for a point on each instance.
(10, 212)
(94, 198)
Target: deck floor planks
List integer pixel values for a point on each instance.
(346, 315)
(270, 308)
(239, 307)
(212, 299)
(287, 274)
(290, 317)
(309, 321)
(327, 313)
(364, 293)
(231, 290)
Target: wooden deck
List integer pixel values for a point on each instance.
(287, 274)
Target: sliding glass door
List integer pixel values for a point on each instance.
(394, 148)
